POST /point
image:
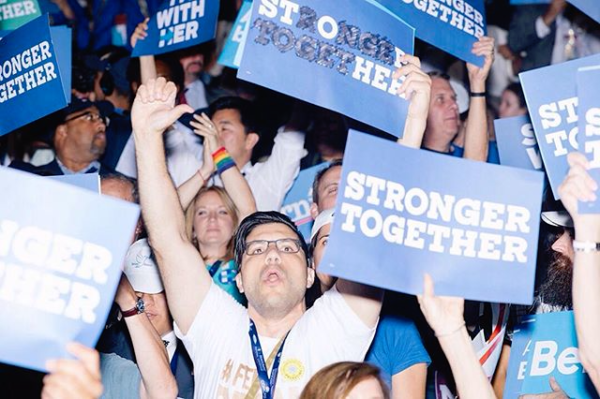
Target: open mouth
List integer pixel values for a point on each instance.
(272, 276)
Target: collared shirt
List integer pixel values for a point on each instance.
(571, 40)
(91, 168)
(172, 343)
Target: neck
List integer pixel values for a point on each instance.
(119, 102)
(212, 252)
(435, 143)
(190, 78)
(242, 161)
(274, 325)
(74, 165)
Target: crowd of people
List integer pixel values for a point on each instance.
(221, 295)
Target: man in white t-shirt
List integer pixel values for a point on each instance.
(275, 336)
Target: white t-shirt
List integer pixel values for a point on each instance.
(219, 345)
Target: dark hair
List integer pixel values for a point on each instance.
(517, 89)
(319, 176)
(337, 380)
(257, 219)
(438, 74)
(246, 109)
(123, 179)
(175, 69)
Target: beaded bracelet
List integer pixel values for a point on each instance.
(222, 160)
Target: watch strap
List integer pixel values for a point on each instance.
(137, 309)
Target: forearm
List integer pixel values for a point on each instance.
(147, 68)
(470, 379)
(364, 300)
(413, 132)
(188, 190)
(476, 136)
(152, 359)
(238, 189)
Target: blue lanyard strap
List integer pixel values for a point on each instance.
(174, 361)
(267, 384)
(214, 267)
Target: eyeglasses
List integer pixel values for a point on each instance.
(90, 117)
(283, 245)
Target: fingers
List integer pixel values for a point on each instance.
(205, 127)
(179, 110)
(408, 61)
(415, 82)
(157, 90)
(554, 385)
(89, 357)
(577, 158)
(428, 286)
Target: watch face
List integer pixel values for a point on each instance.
(141, 306)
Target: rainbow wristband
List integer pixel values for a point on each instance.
(223, 160)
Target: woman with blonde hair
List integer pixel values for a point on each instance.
(214, 213)
(346, 380)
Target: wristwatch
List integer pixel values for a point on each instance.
(139, 307)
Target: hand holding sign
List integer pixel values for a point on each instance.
(478, 75)
(140, 32)
(154, 109)
(557, 392)
(74, 378)
(444, 314)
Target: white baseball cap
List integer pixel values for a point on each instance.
(558, 218)
(141, 270)
(324, 218)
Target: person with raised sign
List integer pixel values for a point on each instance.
(227, 342)
(579, 188)
(443, 122)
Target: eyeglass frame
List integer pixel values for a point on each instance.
(269, 242)
(99, 117)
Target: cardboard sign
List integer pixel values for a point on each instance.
(450, 25)
(338, 55)
(231, 56)
(87, 181)
(551, 94)
(517, 145)
(544, 346)
(35, 73)
(179, 24)
(60, 263)
(15, 13)
(298, 200)
(473, 226)
(588, 80)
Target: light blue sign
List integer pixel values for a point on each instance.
(35, 73)
(298, 200)
(517, 145)
(588, 7)
(551, 94)
(338, 54)
(87, 181)
(519, 2)
(545, 346)
(60, 264)
(231, 56)
(588, 81)
(450, 25)
(179, 24)
(473, 226)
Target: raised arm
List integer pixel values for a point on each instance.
(417, 88)
(579, 186)
(188, 190)
(182, 269)
(445, 315)
(364, 300)
(147, 65)
(476, 135)
(233, 181)
(150, 353)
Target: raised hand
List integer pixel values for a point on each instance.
(154, 110)
(140, 32)
(444, 314)
(416, 86)
(478, 76)
(557, 392)
(74, 378)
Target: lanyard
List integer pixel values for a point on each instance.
(174, 360)
(267, 384)
(214, 267)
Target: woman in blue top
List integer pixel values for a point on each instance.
(213, 213)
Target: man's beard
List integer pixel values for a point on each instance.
(556, 290)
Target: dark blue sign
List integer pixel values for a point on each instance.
(517, 145)
(231, 56)
(35, 73)
(87, 181)
(473, 226)
(588, 82)
(451, 25)
(298, 200)
(179, 24)
(60, 264)
(338, 54)
(544, 346)
(551, 94)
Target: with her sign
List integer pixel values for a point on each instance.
(337, 54)
(402, 212)
(60, 263)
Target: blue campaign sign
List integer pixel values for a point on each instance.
(33, 73)
(551, 94)
(60, 264)
(588, 7)
(297, 201)
(517, 145)
(179, 24)
(450, 25)
(87, 181)
(231, 56)
(588, 81)
(473, 226)
(546, 346)
(338, 54)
